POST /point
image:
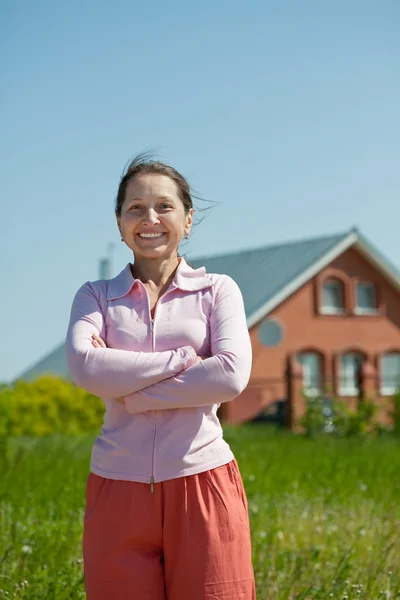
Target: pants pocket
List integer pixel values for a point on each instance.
(96, 486)
(238, 482)
(228, 487)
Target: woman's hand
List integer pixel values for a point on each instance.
(97, 342)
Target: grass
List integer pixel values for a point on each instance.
(325, 515)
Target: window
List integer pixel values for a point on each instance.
(366, 298)
(390, 373)
(332, 297)
(349, 374)
(311, 364)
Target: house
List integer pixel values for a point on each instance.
(323, 314)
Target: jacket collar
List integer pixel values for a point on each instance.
(186, 279)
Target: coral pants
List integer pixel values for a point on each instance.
(189, 539)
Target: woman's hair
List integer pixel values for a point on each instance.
(143, 164)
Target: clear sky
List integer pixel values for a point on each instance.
(284, 112)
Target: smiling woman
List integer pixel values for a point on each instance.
(163, 345)
(152, 219)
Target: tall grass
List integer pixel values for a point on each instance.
(325, 515)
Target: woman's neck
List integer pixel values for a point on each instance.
(157, 272)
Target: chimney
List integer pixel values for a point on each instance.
(105, 263)
(104, 268)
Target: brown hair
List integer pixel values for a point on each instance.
(143, 164)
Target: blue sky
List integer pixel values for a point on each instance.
(285, 113)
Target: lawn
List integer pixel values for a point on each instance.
(325, 515)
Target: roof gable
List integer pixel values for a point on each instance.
(54, 363)
(269, 275)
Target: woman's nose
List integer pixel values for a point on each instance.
(151, 216)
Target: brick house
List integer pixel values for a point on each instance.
(323, 314)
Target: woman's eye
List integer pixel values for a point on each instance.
(136, 207)
(165, 206)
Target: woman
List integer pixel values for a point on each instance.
(163, 345)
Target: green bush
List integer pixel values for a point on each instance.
(395, 412)
(314, 420)
(361, 421)
(335, 417)
(48, 405)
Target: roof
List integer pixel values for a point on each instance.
(269, 275)
(53, 363)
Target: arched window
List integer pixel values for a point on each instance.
(332, 301)
(312, 372)
(366, 298)
(350, 365)
(390, 373)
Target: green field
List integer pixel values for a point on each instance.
(325, 515)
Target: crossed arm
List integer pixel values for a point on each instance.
(213, 380)
(109, 372)
(163, 380)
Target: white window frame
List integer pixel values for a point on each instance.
(361, 310)
(391, 388)
(333, 310)
(309, 386)
(345, 388)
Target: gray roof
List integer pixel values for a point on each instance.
(54, 363)
(261, 273)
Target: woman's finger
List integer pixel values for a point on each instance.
(99, 341)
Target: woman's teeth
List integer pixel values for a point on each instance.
(150, 235)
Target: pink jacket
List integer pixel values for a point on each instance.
(168, 426)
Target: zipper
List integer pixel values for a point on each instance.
(153, 454)
(155, 414)
(152, 319)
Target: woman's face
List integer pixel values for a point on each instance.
(153, 219)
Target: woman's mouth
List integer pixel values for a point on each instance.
(150, 236)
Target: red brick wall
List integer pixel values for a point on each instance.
(305, 329)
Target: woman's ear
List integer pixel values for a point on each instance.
(189, 223)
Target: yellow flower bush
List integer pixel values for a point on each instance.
(48, 405)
